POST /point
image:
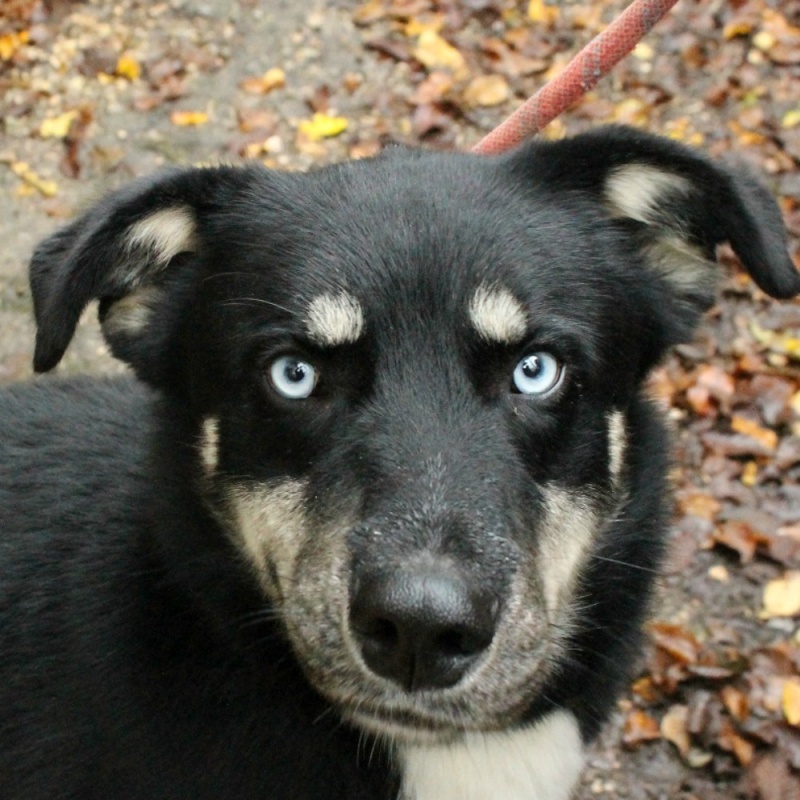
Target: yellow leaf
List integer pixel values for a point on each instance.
(57, 127)
(790, 701)
(540, 12)
(750, 474)
(128, 67)
(782, 596)
(764, 41)
(321, 126)
(11, 42)
(188, 118)
(23, 171)
(775, 342)
(434, 52)
(487, 90)
(791, 119)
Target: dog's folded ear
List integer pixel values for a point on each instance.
(675, 206)
(131, 251)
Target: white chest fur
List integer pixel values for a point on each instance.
(542, 762)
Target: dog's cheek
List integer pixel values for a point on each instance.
(270, 525)
(569, 527)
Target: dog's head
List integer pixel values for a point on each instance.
(410, 381)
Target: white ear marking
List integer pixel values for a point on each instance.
(635, 190)
(497, 315)
(166, 233)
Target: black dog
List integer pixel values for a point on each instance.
(379, 515)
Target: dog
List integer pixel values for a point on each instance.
(379, 511)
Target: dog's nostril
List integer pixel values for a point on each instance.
(383, 632)
(461, 643)
(422, 628)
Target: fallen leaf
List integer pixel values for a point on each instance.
(791, 118)
(369, 12)
(673, 728)
(57, 127)
(737, 536)
(765, 436)
(790, 701)
(639, 727)
(436, 87)
(11, 42)
(272, 79)
(782, 596)
(542, 13)
(736, 702)
(487, 90)
(23, 171)
(434, 52)
(322, 126)
(188, 118)
(128, 67)
(678, 642)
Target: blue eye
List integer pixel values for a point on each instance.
(537, 374)
(292, 377)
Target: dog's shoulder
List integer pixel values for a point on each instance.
(37, 411)
(68, 446)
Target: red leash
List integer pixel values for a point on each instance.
(583, 72)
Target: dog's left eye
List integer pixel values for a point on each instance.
(537, 374)
(292, 377)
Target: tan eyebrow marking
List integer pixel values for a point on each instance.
(334, 319)
(497, 315)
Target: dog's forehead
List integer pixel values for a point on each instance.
(417, 241)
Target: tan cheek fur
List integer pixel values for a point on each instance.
(568, 530)
(272, 527)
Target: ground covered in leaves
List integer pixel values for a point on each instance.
(94, 93)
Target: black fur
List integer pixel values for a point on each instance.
(141, 657)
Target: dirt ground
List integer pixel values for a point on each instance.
(95, 93)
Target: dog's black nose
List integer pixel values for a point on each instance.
(421, 627)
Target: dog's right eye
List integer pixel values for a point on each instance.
(537, 374)
(293, 378)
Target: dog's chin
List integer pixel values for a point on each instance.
(404, 728)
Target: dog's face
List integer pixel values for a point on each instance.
(410, 382)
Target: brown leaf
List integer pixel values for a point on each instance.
(737, 536)
(673, 728)
(486, 91)
(639, 728)
(678, 642)
(736, 702)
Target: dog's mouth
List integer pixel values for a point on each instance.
(401, 725)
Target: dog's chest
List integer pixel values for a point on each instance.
(542, 762)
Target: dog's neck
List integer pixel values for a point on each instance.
(542, 762)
